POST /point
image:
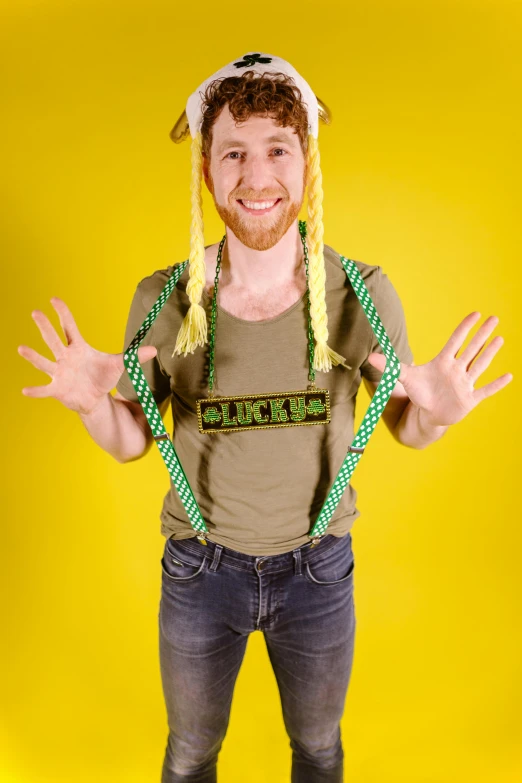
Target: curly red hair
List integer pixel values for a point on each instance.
(274, 94)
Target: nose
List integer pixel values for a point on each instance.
(256, 174)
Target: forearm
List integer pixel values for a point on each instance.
(113, 426)
(414, 430)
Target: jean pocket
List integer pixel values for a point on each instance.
(181, 564)
(332, 567)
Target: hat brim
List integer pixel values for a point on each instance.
(181, 129)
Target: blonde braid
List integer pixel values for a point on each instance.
(193, 330)
(324, 356)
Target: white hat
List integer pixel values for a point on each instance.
(260, 63)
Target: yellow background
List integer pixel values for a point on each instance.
(421, 174)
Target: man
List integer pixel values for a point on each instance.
(259, 491)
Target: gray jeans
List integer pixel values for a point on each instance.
(212, 598)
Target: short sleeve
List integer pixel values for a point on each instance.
(157, 378)
(390, 311)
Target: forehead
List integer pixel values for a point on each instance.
(257, 128)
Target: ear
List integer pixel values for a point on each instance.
(205, 169)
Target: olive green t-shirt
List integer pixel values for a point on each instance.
(260, 491)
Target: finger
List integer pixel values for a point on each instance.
(377, 360)
(48, 332)
(38, 361)
(459, 335)
(37, 391)
(492, 388)
(484, 359)
(477, 343)
(67, 321)
(147, 352)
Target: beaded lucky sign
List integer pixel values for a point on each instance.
(382, 394)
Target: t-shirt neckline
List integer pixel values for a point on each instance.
(263, 321)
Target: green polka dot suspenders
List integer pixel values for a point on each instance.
(382, 394)
(355, 450)
(148, 403)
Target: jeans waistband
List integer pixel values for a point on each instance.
(218, 553)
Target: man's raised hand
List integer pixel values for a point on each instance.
(444, 387)
(81, 376)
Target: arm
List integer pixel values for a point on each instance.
(120, 427)
(391, 312)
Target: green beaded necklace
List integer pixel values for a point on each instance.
(166, 448)
(262, 411)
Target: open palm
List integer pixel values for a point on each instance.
(444, 387)
(81, 375)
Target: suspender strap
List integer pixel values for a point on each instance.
(373, 414)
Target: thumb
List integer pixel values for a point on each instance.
(146, 353)
(377, 360)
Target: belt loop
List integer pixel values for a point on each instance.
(217, 557)
(297, 561)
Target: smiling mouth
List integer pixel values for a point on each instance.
(259, 207)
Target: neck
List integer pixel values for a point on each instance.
(262, 270)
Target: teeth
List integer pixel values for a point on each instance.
(258, 204)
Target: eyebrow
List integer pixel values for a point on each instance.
(279, 138)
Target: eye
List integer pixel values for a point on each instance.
(276, 150)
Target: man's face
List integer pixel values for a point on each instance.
(253, 163)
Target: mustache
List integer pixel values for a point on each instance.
(257, 197)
